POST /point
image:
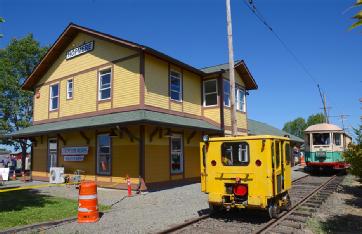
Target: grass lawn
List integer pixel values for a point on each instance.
(24, 207)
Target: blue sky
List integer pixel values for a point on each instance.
(194, 31)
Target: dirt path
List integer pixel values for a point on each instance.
(342, 212)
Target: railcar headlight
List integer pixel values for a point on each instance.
(205, 138)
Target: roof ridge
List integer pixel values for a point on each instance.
(235, 61)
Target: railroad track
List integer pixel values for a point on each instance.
(307, 195)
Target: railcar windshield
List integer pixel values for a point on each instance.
(235, 153)
(321, 139)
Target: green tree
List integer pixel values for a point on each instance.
(316, 119)
(353, 154)
(17, 61)
(1, 21)
(357, 16)
(296, 127)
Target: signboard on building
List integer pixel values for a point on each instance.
(80, 150)
(74, 158)
(86, 47)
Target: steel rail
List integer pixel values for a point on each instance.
(274, 222)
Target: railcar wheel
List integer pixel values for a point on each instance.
(214, 208)
(288, 206)
(273, 211)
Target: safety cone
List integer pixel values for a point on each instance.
(129, 186)
(302, 161)
(14, 175)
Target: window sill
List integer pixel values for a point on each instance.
(176, 101)
(104, 100)
(54, 110)
(210, 107)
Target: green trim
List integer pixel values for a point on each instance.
(121, 118)
(330, 157)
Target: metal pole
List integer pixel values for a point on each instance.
(231, 70)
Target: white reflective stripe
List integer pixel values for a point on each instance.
(81, 209)
(86, 197)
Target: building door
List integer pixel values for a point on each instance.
(52, 153)
(277, 168)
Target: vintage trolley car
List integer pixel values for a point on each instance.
(247, 172)
(324, 146)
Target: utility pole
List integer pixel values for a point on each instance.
(234, 128)
(325, 108)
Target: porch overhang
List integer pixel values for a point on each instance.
(136, 117)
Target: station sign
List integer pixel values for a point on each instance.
(74, 158)
(82, 49)
(80, 150)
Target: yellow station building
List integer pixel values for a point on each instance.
(113, 108)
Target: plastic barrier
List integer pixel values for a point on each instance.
(88, 202)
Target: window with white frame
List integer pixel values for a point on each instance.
(175, 86)
(104, 155)
(54, 97)
(210, 92)
(226, 93)
(176, 154)
(241, 100)
(104, 89)
(70, 89)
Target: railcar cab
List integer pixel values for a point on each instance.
(325, 144)
(246, 172)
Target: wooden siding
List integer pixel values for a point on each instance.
(83, 69)
(103, 52)
(156, 82)
(192, 95)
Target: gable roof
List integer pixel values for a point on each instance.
(240, 67)
(259, 128)
(70, 33)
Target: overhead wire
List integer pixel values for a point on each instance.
(251, 5)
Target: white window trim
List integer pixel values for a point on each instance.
(204, 94)
(228, 83)
(180, 78)
(68, 90)
(99, 84)
(50, 97)
(98, 154)
(181, 154)
(238, 99)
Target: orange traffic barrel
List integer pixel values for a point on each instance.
(88, 202)
(302, 161)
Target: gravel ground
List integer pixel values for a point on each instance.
(341, 213)
(147, 213)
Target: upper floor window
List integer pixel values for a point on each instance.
(54, 97)
(104, 89)
(226, 93)
(210, 92)
(240, 97)
(69, 89)
(175, 86)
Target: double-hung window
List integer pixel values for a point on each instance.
(70, 89)
(54, 97)
(175, 86)
(104, 89)
(226, 93)
(104, 155)
(176, 154)
(240, 99)
(210, 92)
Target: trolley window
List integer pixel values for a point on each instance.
(235, 154)
(321, 139)
(287, 153)
(272, 154)
(277, 153)
(337, 138)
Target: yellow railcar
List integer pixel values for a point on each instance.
(247, 172)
